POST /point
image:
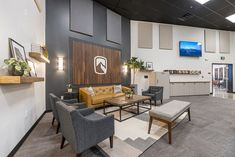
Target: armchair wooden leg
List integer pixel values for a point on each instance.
(161, 101)
(53, 120)
(150, 124)
(111, 141)
(58, 127)
(189, 114)
(169, 133)
(155, 102)
(62, 142)
(79, 155)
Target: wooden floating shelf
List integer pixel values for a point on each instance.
(39, 57)
(7, 80)
(146, 70)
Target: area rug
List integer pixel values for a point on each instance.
(131, 137)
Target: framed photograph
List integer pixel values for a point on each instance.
(39, 5)
(149, 65)
(33, 70)
(17, 50)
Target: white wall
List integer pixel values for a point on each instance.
(170, 59)
(20, 105)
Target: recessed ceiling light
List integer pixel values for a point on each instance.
(231, 18)
(202, 1)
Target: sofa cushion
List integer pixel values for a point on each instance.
(98, 99)
(118, 94)
(148, 94)
(91, 91)
(103, 90)
(117, 89)
(170, 111)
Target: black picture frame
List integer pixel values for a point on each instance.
(31, 64)
(149, 65)
(17, 50)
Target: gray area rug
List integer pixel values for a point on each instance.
(211, 133)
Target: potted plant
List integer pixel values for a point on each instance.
(129, 94)
(69, 88)
(17, 67)
(134, 64)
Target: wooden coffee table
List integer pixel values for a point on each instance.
(123, 103)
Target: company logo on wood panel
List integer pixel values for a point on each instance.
(100, 65)
(95, 64)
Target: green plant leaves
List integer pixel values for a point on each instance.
(18, 65)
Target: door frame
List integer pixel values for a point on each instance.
(213, 73)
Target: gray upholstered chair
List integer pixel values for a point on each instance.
(84, 128)
(155, 92)
(72, 102)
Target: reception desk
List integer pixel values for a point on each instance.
(189, 88)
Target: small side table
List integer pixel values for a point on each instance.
(71, 95)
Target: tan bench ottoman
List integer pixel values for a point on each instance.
(168, 113)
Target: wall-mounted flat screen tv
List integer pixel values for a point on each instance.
(190, 49)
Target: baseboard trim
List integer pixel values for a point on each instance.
(13, 152)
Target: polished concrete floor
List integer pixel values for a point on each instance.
(222, 93)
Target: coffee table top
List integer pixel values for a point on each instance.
(122, 101)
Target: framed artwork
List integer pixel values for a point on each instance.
(33, 70)
(149, 65)
(39, 5)
(17, 50)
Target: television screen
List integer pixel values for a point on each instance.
(190, 49)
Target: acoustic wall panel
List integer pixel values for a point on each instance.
(224, 41)
(145, 35)
(114, 27)
(166, 37)
(81, 16)
(210, 40)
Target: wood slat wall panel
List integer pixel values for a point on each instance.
(83, 64)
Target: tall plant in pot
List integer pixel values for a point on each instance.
(17, 67)
(135, 64)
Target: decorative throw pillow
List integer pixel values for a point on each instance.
(91, 91)
(117, 89)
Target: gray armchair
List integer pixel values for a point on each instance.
(84, 128)
(72, 102)
(155, 92)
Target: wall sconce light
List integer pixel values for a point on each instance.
(125, 69)
(60, 64)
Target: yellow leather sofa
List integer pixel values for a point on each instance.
(101, 93)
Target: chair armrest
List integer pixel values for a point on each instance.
(124, 89)
(159, 92)
(86, 111)
(145, 92)
(107, 118)
(79, 104)
(84, 96)
(70, 101)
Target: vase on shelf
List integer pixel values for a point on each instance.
(13, 72)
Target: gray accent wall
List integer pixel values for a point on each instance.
(59, 35)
